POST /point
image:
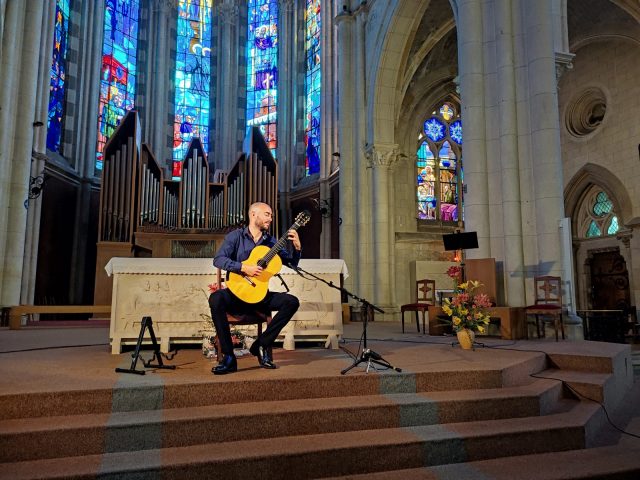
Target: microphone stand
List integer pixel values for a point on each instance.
(367, 355)
(284, 284)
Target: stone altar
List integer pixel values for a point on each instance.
(174, 293)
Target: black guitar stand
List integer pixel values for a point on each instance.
(146, 323)
(367, 355)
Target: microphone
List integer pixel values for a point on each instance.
(292, 267)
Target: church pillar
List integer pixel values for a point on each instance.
(84, 128)
(365, 264)
(380, 159)
(564, 57)
(328, 122)
(509, 154)
(162, 18)
(472, 86)
(286, 126)
(545, 135)
(348, 147)
(39, 157)
(226, 101)
(18, 86)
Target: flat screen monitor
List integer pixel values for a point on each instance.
(460, 241)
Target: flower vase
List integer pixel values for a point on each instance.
(466, 338)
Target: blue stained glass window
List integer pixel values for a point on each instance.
(613, 226)
(426, 183)
(118, 74)
(312, 84)
(455, 132)
(193, 74)
(435, 129)
(58, 75)
(439, 174)
(262, 69)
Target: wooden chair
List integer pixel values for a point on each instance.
(548, 302)
(255, 318)
(426, 297)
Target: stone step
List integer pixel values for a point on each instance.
(66, 436)
(612, 462)
(141, 393)
(330, 454)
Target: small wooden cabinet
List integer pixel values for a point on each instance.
(512, 324)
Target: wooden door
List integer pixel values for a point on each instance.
(609, 282)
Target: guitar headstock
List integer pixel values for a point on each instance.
(302, 219)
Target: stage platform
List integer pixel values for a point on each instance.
(59, 389)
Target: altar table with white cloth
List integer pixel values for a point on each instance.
(174, 293)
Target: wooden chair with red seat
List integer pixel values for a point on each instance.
(548, 302)
(254, 318)
(426, 297)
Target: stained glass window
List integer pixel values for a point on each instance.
(118, 74)
(262, 68)
(312, 84)
(58, 76)
(597, 215)
(602, 205)
(439, 175)
(193, 75)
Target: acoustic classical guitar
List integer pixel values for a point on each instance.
(254, 289)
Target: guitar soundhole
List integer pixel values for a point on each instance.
(262, 263)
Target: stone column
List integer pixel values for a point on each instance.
(545, 135)
(472, 86)
(84, 125)
(347, 146)
(328, 122)
(226, 100)
(631, 241)
(39, 157)
(380, 159)
(362, 180)
(18, 87)
(509, 154)
(162, 17)
(286, 127)
(564, 57)
(286, 90)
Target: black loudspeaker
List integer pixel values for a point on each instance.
(460, 240)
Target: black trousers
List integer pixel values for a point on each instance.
(223, 301)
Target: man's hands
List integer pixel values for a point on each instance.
(293, 236)
(251, 270)
(255, 270)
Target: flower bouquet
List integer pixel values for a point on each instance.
(467, 312)
(455, 272)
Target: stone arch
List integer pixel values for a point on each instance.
(388, 72)
(592, 174)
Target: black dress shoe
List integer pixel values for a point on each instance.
(228, 364)
(263, 354)
(264, 358)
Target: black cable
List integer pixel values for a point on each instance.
(504, 347)
(578, 394)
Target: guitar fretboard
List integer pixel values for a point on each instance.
(279, 245)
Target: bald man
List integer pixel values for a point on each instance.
(235, 249)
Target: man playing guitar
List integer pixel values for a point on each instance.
(232, 257)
